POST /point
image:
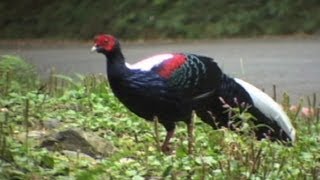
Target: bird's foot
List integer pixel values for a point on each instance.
(166, 149)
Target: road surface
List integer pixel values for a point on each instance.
(291, 63)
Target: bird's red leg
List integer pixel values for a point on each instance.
(165, 146)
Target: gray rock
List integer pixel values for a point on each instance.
(78, 141)
(51, 123)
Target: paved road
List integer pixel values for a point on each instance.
(291, 63)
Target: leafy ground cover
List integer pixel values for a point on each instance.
(26, 104)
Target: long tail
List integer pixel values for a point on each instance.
(263, 108)
(269, 108)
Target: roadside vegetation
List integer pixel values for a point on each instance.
(32, 110)
(157, 19)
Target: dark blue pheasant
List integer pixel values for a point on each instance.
(170, 86)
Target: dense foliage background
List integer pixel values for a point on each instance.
(153, 19)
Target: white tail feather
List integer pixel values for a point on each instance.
(149, 63)
(269, 108)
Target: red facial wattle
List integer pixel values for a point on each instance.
(105, 42)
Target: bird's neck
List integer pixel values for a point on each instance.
(116, 67)
(115, 57)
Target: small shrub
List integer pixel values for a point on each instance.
(16, 74)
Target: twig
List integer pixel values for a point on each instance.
(242, 66)
(3, 143)
(191, 134)
(274, 92)
(156, 132)
(6, 91)
(314, 104)
(298, 111)
(26, 120)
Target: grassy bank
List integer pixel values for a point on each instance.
(26, 104)
(157, 18)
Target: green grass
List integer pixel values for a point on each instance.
(89, 104)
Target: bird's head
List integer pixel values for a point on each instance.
(105, 44)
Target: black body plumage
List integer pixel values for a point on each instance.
(147, 94)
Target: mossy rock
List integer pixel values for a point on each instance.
(78, 141)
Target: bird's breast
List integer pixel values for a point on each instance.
(149, 101)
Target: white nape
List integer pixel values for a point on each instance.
(149, 63)
(269, 108)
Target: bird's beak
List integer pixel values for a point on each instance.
(94, 48)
